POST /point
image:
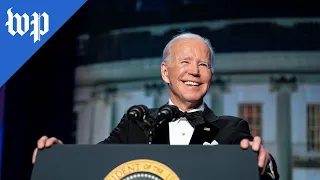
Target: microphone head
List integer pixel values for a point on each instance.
(137, 113)
(168, 112)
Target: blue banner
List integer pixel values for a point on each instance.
(25, 26)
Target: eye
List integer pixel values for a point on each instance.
(204, 64)
(184, 62)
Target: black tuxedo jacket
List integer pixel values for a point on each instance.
(223, 129)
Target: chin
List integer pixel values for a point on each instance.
(193, 99)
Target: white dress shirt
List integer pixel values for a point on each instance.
(180, 131)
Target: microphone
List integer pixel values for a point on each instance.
(167, 112)
(137, 113)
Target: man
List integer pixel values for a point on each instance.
(187, 68)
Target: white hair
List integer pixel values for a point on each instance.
(166, 52)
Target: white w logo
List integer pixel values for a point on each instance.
(24, 19)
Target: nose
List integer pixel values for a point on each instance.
(194, 69)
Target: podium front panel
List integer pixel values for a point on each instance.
(142, 162)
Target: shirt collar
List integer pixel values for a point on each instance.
(200, 108)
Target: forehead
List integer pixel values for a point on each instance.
(190, 47)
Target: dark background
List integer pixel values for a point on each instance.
(39, 97)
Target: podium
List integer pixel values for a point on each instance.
(144, 162)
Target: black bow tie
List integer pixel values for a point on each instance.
(194, 118)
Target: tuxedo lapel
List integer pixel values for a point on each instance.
(209, 115)
(162, 132)
(205, 132)
(162, 135)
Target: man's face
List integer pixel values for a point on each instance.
(188, 72)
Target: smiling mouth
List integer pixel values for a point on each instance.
(191, 83)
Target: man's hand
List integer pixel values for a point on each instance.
(264, 157)
(44, 142)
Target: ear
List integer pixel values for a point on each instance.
(164, 72)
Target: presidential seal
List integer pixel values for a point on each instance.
(142, 169)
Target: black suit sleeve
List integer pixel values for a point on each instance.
(241, 132)
(126, 132)
(119, 134)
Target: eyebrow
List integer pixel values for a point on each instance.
(185, 58)
(205, 61)
(201, 61)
